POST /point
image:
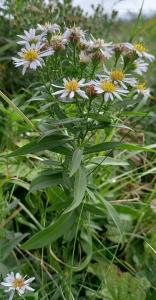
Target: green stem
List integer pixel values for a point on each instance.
(93, 70)
(74, 55)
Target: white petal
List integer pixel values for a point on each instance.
(24, 69)
(6, 283)
(29, 280)
(149, 56)
(58, 86)
(111, 96)
(82, 94)
(117, 96)
(30, 288)
(71, 95)
(65, 80)
(82, 81)
(11, 295)
(21, 42)
(65, 94)
(99, 90)
(46, 53)
(106, 96)
(18, 276)
(58, 92)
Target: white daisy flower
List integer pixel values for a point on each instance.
(85, 57)
(109, 89)
(140, 50)
(140, 88)
(105, 48)
(70, 88)
(140, 66)
(120, 48)
(31, 57)
(74, 34)
(30, 37)
(86, 44)
(57, 42)
(48, 27)
(118, 77)
(16, 283)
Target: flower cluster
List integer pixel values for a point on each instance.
(16, 283)
(83, 52)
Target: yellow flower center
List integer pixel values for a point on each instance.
(140, 86)
(30, 54)
(71, 85)
(139, 47)
(117, 75)
(108, 86)
(18, 283)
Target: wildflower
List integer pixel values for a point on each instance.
(48, 27)
(30, 37)
(140, 66)
(31, 57)
(110, 90)
(70, 88)
(120, 48)
(84, 57)
(105, 48)
(91, 89)
(58, 42)
(86, 44)
(119, 77)
(140, 50)
(140, 88)
(98, 57)
(16, 283)
(74, 34)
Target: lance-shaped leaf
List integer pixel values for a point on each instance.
(80, 186)
(47, 143)
(51, 233)
(76, 161)
(45, 181)
(116, 145)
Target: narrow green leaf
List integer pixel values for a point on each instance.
(45, 181)
(46, 143)
(66, 121)
(51, 233)
(7, 245)
(134, 113)
(101, 147)
(76, 161)
(109, 161)
(133, 147)
(116, 145)
(113, 214)
(80, 186)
